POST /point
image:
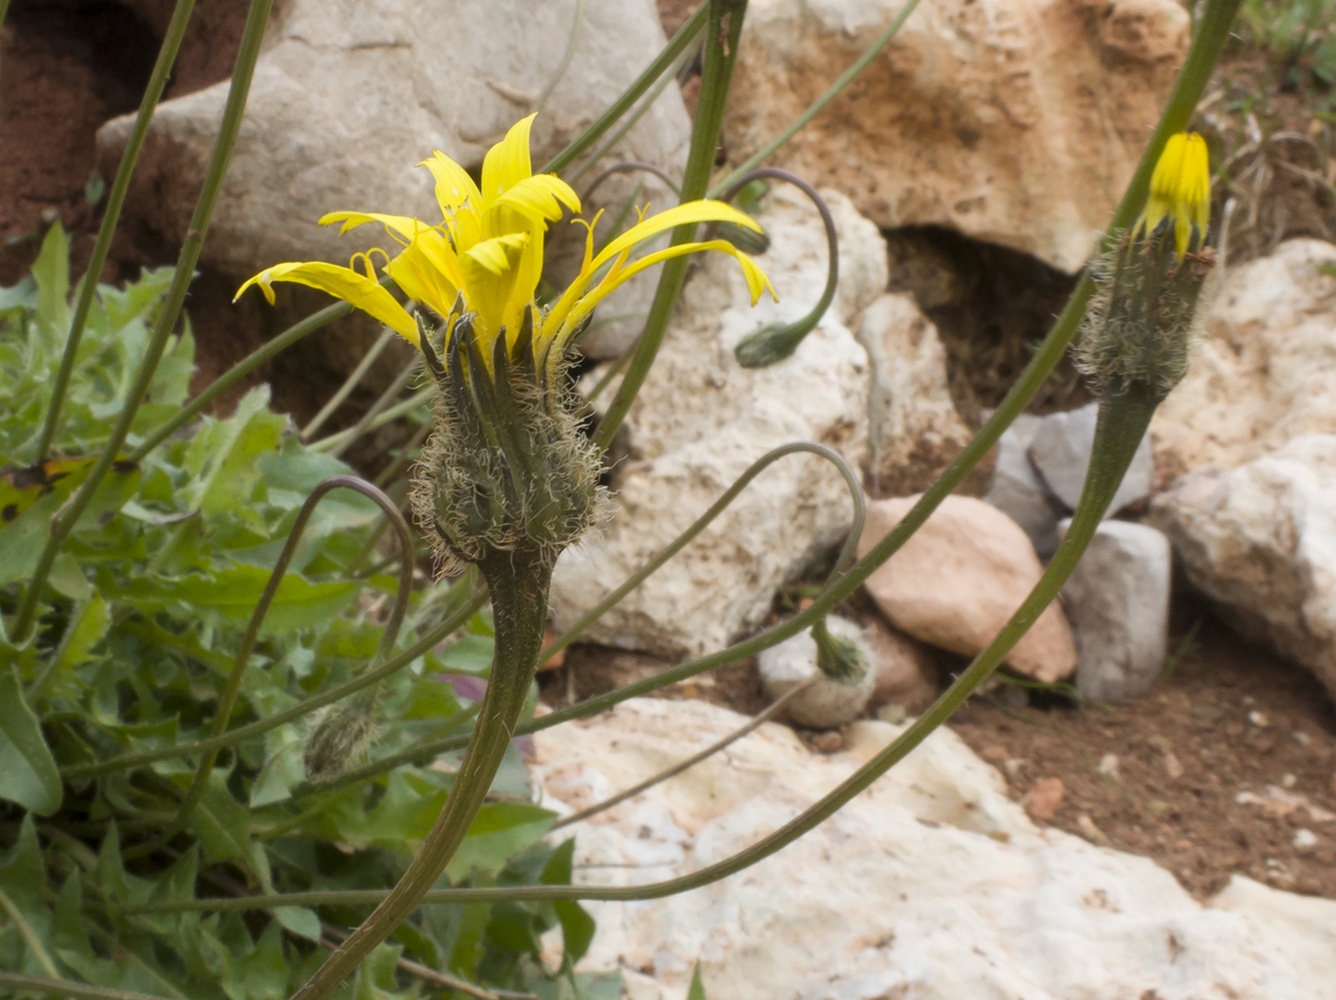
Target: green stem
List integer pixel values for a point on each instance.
(171, 43)
(66, 989)
(632, 94)
(260, 356)
(518, 582)
(817, 106)
(65, 520)
(721, 49)
(349, 384)
(1122, 423)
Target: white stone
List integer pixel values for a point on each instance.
(1060, 451)
(1117, 601)
(1017, 490)
(1018, 122)
(700, 420)
(348, 96)
(915, 429)
(1261, 374)
(827, 703)
(932, 884)
(1260, 540)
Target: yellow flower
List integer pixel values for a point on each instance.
(1180, 189)
(486, 255)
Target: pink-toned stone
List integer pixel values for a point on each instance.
(905, 671)
(960, 577)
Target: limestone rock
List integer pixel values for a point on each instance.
(1017, 122)
(931, 884)
(1117, 600)
(348, 96)
(1261, 375)
(1017, 490)
(915, 430)
(1260, 540)
(960, 577)
(1060, 450)
(827, 703)
(700, 420)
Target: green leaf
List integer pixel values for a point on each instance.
(223, 826)
(577, 926)
(500, 830)
(51, 270)
(697, 990)
(28, 772)
(299, 920)
(223, 457)
(231, 595)
(67, 578)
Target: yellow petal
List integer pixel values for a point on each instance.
(491, 271)
(539, 197)
(454, 187)
(497, 255)
(404, 225)
(560, 327)
(421, 279)
(692, 211)
(507, 163)
(342, 282)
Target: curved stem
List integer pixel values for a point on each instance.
(817, 106)
(171, 44)
(389, 636)
(775, 343)
(67, 989)
(626, 166)
(518, 582)
(721, 49)
(349, 384)
(1122, 423)
(65, 520)
(701, 523)
(619, 107)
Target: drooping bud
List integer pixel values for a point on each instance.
(338, 735)
(1138, 327)
(842, 660)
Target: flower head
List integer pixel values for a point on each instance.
(507, 469)
(1180, 190)
(485, 257)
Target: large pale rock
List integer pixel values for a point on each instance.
(960, 577)
(915, 429)
(1018, 122)
(1262, 374)
(348, 96)
(931, 884)
(1017, 490)
(1117, 600)
(1060, 450)
(1261, 541)
(700, 420)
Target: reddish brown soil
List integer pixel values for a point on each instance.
(1232, 720)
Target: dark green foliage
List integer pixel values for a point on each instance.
(138, 631)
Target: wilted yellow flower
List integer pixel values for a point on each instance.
(485, 258)
(1180, 189)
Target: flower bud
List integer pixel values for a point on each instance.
(841, 660)
(506, 466)
(1139, 324)
(338, 735)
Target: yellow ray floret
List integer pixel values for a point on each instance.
(487, 251)
(1180, 189)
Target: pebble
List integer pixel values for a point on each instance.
(1301, 737)
(1044, 798)
(1089, 830)
(826, 703)
(1304, 839)
(1288, 781)
(1108, 765)
(1172, 766)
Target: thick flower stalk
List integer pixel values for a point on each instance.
(506, 481)
(1137, 332)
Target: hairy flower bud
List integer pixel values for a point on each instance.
(337, 736)
(1139, 324)
(842, 660)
